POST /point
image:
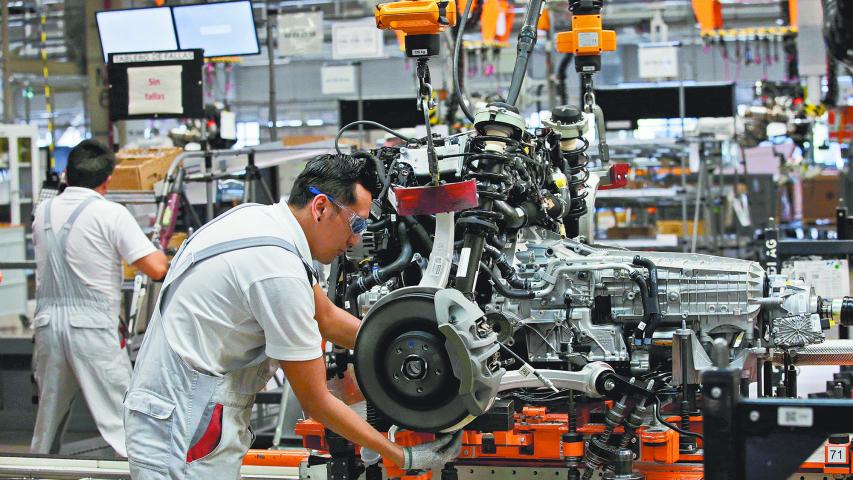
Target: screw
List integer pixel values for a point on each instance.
(609, 385)
(754, 415)
(716, 392)
(673, 296)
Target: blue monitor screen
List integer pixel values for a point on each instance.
(60, 158)
(221, 29)
(136, 30)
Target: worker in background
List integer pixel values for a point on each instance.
(241, 299)
(80, 239)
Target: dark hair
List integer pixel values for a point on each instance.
(89, 164)
(334, 175)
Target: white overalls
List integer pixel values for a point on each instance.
(182, 423)
(77, 346)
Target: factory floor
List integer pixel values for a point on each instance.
(77, 444)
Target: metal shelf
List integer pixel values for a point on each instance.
(132, 196)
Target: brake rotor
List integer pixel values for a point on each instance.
(402, 366)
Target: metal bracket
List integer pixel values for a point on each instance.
(441, 258)
(583, 381)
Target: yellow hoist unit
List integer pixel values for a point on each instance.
(587, 39)
(420, 20)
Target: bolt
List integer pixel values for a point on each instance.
(754, 415)
(414, 368)
(673, 296)
(716, 392)
(609, 385)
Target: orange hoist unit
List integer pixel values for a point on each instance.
(586, 40)
(420, 20)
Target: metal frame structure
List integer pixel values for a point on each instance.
(13, 133)
(763, 438)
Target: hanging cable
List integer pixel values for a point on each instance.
(458, 90)
(671, 426)
(526, 42)
(372, 124)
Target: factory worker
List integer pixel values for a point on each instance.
(80, 239)
(240, 299)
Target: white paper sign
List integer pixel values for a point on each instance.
(153, 90)
(300, 34)
(659, 61)
(228, 125)
(338, 79)
(355, 40)
(830, 278)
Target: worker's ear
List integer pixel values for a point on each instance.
(319, 205)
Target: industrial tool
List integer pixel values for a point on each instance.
(586, 41)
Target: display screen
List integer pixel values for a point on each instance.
(642, 101)
(220, 29)
(391, 112)
(137, 30)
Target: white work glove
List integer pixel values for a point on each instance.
(427, 456)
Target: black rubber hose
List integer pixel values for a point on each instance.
(381, 275)
(561, 78)
(501, 288)
(371, 124)
(458, 89)
(526, 42)
(654, 313)
(420, 232)
(838, 29)
(379, 224)
(512, 218)
(653, 273)
(507, 271)
(638, 278)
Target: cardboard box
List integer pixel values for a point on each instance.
(820, 197)
(674, 227)
(141, 168)
(622, 233)
(296, 140)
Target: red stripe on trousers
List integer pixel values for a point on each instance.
(211, 436)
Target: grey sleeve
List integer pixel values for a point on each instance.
(284, 308)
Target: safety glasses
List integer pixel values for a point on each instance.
(356, 224)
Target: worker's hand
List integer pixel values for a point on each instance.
(427, 456)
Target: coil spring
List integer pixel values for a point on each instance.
(376, 419)
(576, 163)
(490, 185)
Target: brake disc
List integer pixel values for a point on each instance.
(402, 366)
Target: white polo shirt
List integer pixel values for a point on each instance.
(103, 235)
(239, 307)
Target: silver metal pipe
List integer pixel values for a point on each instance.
(830, 352)
(7, 89)
(581, 268)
